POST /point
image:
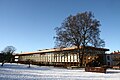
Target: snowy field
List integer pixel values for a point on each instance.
(21, 72)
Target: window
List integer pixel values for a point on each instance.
(108, 57)
(108, 63)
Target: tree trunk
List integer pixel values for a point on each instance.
(81, 55)
(29, 62)
(81, 60)
(2, 63)
(29, 65)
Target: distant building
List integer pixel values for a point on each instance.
(113, 59)
(64, 56)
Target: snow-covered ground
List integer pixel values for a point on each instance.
(21, 72)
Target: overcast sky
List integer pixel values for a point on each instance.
(29, 25)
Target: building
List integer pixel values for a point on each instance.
(113, 59)
(109, 61)
(63, 56)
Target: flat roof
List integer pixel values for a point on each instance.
(60, 49)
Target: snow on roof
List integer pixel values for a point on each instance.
(60, 49)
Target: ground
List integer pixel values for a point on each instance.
(22, 72)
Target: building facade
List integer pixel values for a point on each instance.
(63, 56)
(113, 59)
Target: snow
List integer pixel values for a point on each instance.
(22, 72)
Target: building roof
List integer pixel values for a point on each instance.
(60, 49)
(116, 52)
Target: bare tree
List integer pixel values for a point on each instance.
(79, 30)
(7, 54)
(29, 62)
